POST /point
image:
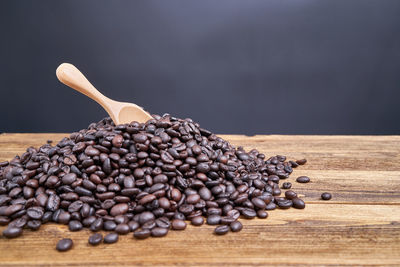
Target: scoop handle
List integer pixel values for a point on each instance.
(69, 75)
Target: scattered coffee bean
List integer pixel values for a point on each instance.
(12, 232)
(326, 196)
(287, 185)
(142, 234)
(221, 230)
(159, 231)
(95, 239)
(298, 203)
(303, 179)
(197, 221)
(236, 226)
(64, 244)
(111, 238)
(301, 161)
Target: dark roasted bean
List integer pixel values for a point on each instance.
(221, 230)
(298, 203)
(286, 185)
(213, 219)
(303, 179)
(301, 161)
(12, 232)
(236, 226)
(122, 229)
(111, 238)
(197, 221)
(290, 194)
(95, 239)
(159, 232)
(64, 244)
(142, 234)
(178, 224)
(285, 204)
(326, 196)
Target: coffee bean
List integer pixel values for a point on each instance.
(287, 185)
(221, 230)
(326, 196)
(213, 219)
(119, 209)
(262, 214)
(142, 234)
(35, 213)
(298, 203)
(95, 239)
(133, 226)
(259, 203)
(285, 204)
(64, 244)
(117, 141)
(145, 217)
(301, 161)
(249, 213)
(97, 225)
(111, 238)
(163, 222)
(290, 194)
(75, 225)
(303, 179)
(236, 226)
(178, 224)
(122, 229)
(34, 224)
(197, 221)
(159, 231)
(12, 232)
(109, 225)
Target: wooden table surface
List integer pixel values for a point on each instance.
(359, 226)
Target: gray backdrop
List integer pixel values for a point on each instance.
(252, 67)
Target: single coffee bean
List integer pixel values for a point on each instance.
(213, 219)
(287, 185)
(197, 221)
(303, 179)
(34, 225)
(221, 230)
(133, 225)
(301, 161)
(95, 239)
(163, 222)
(285, 204)
(249, 213)
(298, 203)
(290, 194)
(75, 225)
(326, 196)
(262, 214)
(236, 226)
(111, 238)
(109, 225)
(122, 229)
(178, 224)
(159, 231)
(64, 244)
(12, 232)
(142, 234)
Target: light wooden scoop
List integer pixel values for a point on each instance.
(119, 112)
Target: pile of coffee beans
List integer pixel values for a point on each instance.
(146, 178)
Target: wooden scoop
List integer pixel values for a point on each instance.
(119, 112)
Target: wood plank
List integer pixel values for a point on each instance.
(359, 226)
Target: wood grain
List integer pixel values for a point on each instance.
(359, 226)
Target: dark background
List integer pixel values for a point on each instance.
(251, 67)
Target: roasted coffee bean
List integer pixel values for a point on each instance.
(249, 213)
(133, 225)
(75, 225)
(97, 225)
(303, 179)
(64, 244)
(178, 224)
(221, 230)
(111, 238)
(35, 213)
(236, 226)
(298, 203)
(95, 239)
(159, 231)
(12, 232)
(34, 224)
(109, 225)
(213, 219)
(326, 196)
(163, 222)
(285, 204)
(197, 221)
(122, 229)
(142, 234)
(262, 214)
(301, 161)
(287, 185)
(119, 209)
(290, 194)
(259, 203)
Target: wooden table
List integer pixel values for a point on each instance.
(359, 226)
